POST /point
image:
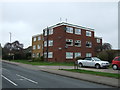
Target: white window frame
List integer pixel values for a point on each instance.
(34, 47)
(69, 29)
(77, 54)
(34, 39)
(77, 31)
(78, 41)
(50, 31)
(90, 43)
(69, 40)
(39, 38)
(88, 33)
(45, 43)
(38, 46)
(50, 54)
(45, 54)
(33, 55)
(88, 54)
(45, 32)
(69, 53)
(98, 40)
(50, 42)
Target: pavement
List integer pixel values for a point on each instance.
(86, 77)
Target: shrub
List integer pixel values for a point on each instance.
(38, 59)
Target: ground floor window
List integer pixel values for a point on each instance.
(69, 55)
(88, 54)
(77, 54)
(50, 54)
(38, 54)
(33, 55)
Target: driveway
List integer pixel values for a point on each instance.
(110, 70)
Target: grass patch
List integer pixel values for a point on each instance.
(44, 63)
(113, 75)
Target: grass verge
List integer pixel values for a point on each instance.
(113, 75)
(44, 63)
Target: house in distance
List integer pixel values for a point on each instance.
(65, 42)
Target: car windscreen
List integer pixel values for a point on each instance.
(96, 59)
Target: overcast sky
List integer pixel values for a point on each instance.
(24, 20)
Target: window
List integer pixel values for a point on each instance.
(88, 54)
(45, 54)
(45, 43)
(39, 38)
(50, 42)
(38, 54)
(50, 54)
(45, 32)
(69, 29)
(78, 43)
(50, 31)
(78, 31)
(34, 39)
(38, 46)
(98, 40)
(69, 55)
(88, 44)
(34, 47)
(33, 55)
(77, 54)
(69, 42)
(88, 33)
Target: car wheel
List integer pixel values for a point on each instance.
(115, 67)
(80, 65)
(97, 66)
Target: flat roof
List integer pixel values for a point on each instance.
(37, 35)
(72, 25)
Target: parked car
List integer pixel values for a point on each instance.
(93, 62)
(116, 63)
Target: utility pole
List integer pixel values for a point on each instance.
(47, 43)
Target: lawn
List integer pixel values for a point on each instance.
(113, 75)
(44, 63)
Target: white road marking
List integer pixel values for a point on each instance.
(27, 79)
(9, 80)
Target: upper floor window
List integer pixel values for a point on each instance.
(45, 32)
(77, 43)
(88, 33)
(77, 54)
(88, 54)
(39, 38)
(34, 39)
(50, 42)
(98, 40)
(45, 43)
(69, 42)
(38, 46)
(69, 29)
(88, 44)
(50, 31)
(78, 31)
(34, 47)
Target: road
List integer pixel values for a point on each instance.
(14, 76)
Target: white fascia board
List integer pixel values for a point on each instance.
(37, 35)
(98, 37)
(67, 24)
